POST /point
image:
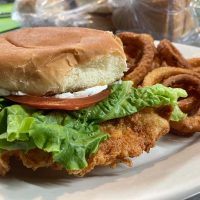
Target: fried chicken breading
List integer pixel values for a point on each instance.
(129, 137)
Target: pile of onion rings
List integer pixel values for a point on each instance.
(165, 65)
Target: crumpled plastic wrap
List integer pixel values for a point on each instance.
(196, 6)
(83, 13)
(172, 19)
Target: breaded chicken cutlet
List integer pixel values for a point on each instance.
(129, 138)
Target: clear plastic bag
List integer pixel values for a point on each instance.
(172, 19)
(83, 13)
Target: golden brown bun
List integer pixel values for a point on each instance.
(55, 60)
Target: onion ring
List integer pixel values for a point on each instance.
(159, 74)
(186, 81)
(190, 81)
(188, 126)
(140, 48)
(169, 54)
(195, 64)
(187, 104)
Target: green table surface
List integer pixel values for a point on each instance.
(6, 23)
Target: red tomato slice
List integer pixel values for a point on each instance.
(59, 104)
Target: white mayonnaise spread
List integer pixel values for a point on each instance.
(68, 95)
(80, 94)
(18, 93)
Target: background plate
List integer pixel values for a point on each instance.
(169, 172)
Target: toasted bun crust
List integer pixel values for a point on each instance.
(38, 61)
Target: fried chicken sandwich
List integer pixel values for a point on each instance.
(64, 103)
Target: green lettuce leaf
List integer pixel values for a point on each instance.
(126, 100)
(69, 141)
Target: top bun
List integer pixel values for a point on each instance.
(41, 61)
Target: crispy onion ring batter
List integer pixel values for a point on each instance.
(141, 53)
(170, 55)
(195, 64)
(188, 80)
(159, 74)
(187, 104)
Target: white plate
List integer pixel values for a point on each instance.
(169, 172)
